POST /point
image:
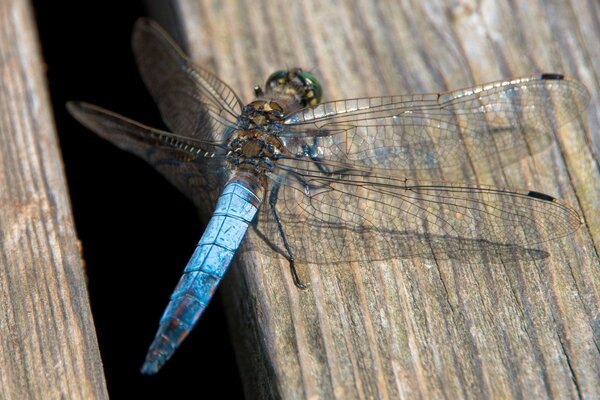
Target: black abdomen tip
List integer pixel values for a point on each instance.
(541, 196)
(553, 77)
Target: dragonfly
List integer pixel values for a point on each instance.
(331, 182)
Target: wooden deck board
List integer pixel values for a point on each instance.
(417, 327)
(48, 347)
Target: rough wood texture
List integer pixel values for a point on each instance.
(48, 348)
(414, 328)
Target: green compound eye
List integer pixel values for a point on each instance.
(314, 92)
(277, 78)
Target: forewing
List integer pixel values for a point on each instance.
(353, 217)
(512, 119)
(192, 101)
(196, 170)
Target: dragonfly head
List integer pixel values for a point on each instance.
(301, 85)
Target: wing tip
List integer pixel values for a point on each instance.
(77, 109)
(144, 23)
(72, 106)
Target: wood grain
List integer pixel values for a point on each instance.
(419, 328)
(48, 347)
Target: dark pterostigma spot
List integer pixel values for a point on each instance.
(555, 77)
(540, 196)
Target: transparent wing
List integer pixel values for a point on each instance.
(355, 217)
(431, 131)
(197, 170)
(193, 102)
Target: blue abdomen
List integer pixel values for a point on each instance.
(235, 209)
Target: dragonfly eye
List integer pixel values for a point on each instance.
(277, 78)
(314, 92)
(301, 85)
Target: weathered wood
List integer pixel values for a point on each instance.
(48, 347)
(475, 328)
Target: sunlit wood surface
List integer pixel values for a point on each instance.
(481, 327)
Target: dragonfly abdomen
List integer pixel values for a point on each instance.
(235, 209)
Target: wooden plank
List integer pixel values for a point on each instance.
(471, 328)
(48, 346)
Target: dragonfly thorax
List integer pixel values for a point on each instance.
(261, 114)
(254, 149)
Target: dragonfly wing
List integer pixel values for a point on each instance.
(192, 101)
(163, 150)
(353, 217)
(431, 131)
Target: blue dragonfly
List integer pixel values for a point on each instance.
(337, 181)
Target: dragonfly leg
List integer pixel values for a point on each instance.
(295, 277)
(311, 152)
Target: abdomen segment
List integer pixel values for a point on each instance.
(235, 209)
